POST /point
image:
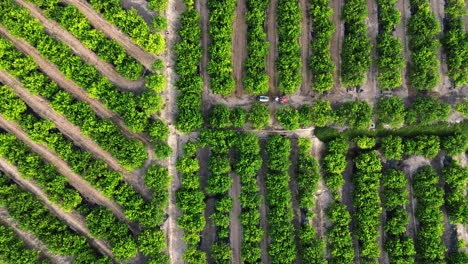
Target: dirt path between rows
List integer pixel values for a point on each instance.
(202, 8)
(272, 37)
(74, 220)
(30, 240)
(304, 41)
(112, 32)
(55, 75)
(54, 29)
(296, 210)
(263, 207)
(346, 199)
(43, 109)
(82, 186)
(370, 92)
(400, 32)
(235, 231)
(337, 40)
(239, 46)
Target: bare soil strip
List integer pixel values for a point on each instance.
(54, 74)
(263, 207)
(82, 186)
(370, 86)
(29, 239)
(54, 29)
(239, 46)
(297, 215)
(346, 198)
(272, 37)
(42, 108)
(112, 32)
(337, 40)
(305, 47)
(74, 220)
(235, 230)
(400, 33)
(202, 8)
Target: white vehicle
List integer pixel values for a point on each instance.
(263, 98)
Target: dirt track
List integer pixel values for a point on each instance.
(400, 33)
(98, 22)
(42, 108)
(272, 37)
(239, 46)
(235, 231)
(305, 48)
(73, 219)
(54, 29)
(263, 207)
(297, 215)
(337, 40)
(30, 240)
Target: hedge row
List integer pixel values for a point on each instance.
(320, 63)
(334, 164)
(71, 19)
(220, 48)
(288, 63)
(256, 78)
(281, 248)
(131, 24)
(456, 201)
(14, 250)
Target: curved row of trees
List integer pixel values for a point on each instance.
(220, 49)
(131, 24)
(256, 78)
(320, 63)
(13, 249)
(71, 19)
(288, 63)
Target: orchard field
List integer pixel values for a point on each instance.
(130, 131)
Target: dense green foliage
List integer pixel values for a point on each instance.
(256, 79)
(334, 164)
(259, 115)
(355, 114)
(320, 63)
(14, 250)
(427, 111)
(288, 117)
(455, 144)
(71, 19)
(281, 249)
(248, 163)
(311, 247)
(389, 48)
(398, 245)
(158, 6)
(188, 55)
(364, 142)
(220, 117)
(131, 24)
(322, 113)
(455, 42)
(220, 49)
(392, 147)
(356, 49)
(430, 197)
(424, 145)
(366, 202)
(423, 29)
(462, 107)
(391, 111)
(288, 63)
(456, 178)
(339, 239)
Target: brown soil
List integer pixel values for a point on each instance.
(235, 230)
(297, 219)
(30, 240)
(202, 8)
(239, 46)
(54, 29)
(263, 207)
(42, 108)
(272, 37)
(72, 219)
(400, 33)
(112, 32)
(370, 92)
(304, 41)
(337, 40)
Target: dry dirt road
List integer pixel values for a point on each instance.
(235, 229)
(263, 207)
(239, 46)
(304, 41)
(272, 37)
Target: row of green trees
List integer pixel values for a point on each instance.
(320, 63)
(455, 42)
(71, 19)
(311, 247)
(32, 216)
(398, 245)
(390, 60)
(220, 50)
(288, 63)
(256, 79)
(130, 153)
(248, 163)
(188, 55)
(190, 201)
(334, 164)
(13, 249)
(423, 29)
(366, 201)
(356, 49)
(222, 117)
(456, 178)
(131, 24)
(135, 109)
(281, 248)
(430, 197)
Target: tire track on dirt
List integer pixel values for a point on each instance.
(337, 40)
(201, 6)
(55, 30)
(74, 220)
(272, 37)
(112, 32)
(239, 46)
(30, 240)
(400, 32)
(235, 230)
(77, 92)
(82, 186)
(437, 8)
(263, 207)
(43, 109)
(305, 48)
(370, 86)
(297, 214)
